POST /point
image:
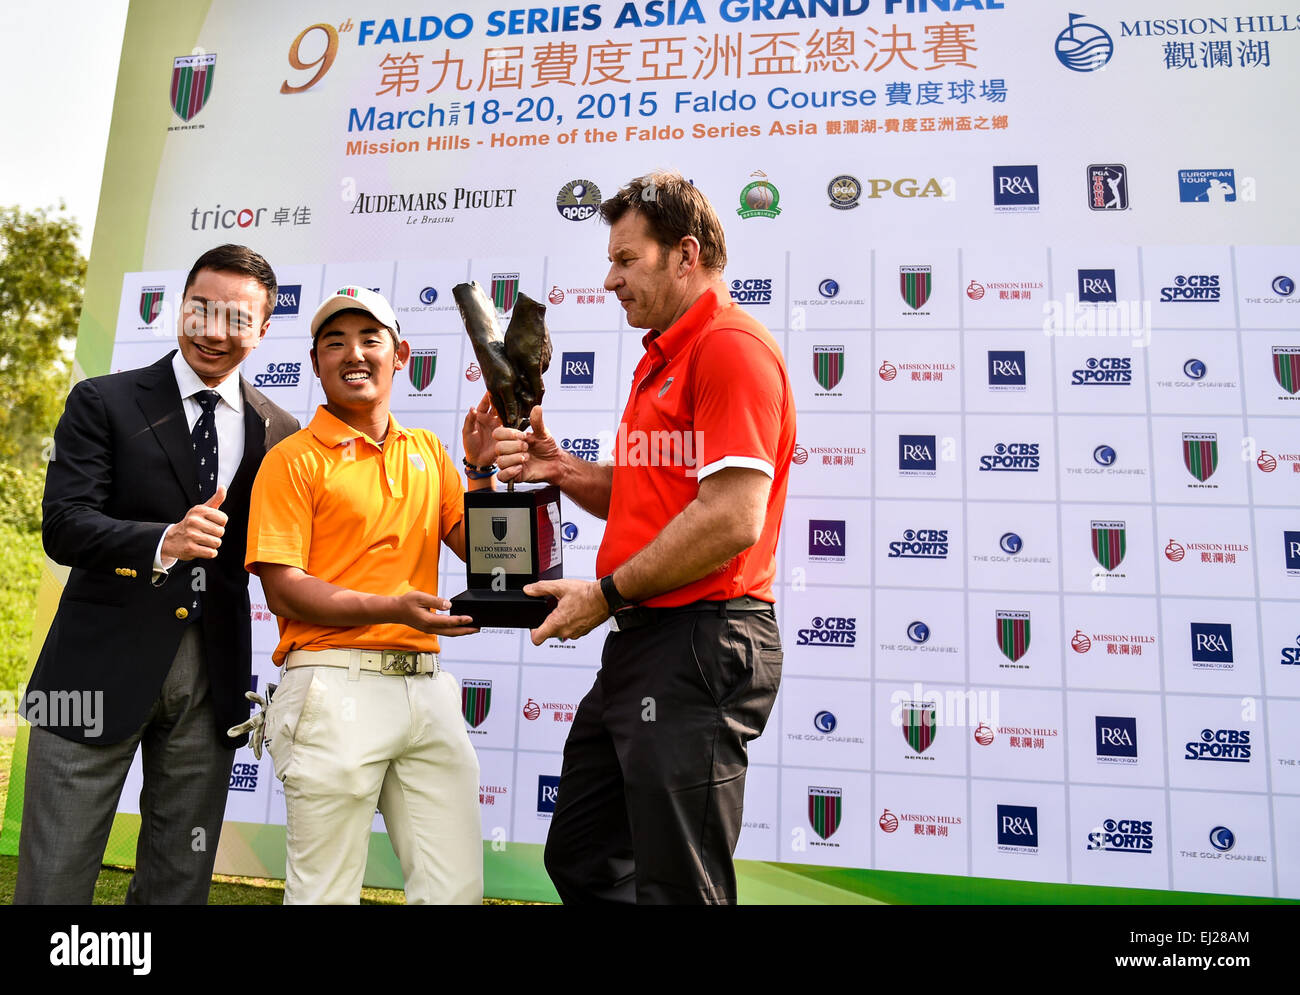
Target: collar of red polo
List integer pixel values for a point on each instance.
(679, 334)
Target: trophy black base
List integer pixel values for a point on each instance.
(502, 609)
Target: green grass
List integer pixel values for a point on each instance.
(110, 889)
(20, 566)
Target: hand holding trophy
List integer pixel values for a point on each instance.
(512, 537)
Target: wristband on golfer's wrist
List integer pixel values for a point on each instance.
(613, 599)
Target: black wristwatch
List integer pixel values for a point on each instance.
(616, 601)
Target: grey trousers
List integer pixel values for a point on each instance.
(73, 788)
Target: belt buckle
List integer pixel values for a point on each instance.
(399, 663)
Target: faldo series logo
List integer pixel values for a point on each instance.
(1123, 836)
(914, 284)
(919, 727)
(828, 369)
(1286, 371)
(578, 200)
(423, 364)
(1013, 634)
(192, 77)
(825, 812)
(475, 702)
(1109, 544)
(829, 631)
(1201, 457)
(920, 544)
(151, 303)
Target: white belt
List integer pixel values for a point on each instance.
(393, 663)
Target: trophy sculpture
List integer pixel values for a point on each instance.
(512, 537)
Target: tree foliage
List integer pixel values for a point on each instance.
(42, 273)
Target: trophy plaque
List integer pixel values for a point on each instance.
(512, 537)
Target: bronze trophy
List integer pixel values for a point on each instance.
(512, 537)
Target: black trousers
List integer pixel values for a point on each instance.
(653, 783)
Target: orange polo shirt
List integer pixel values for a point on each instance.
(711, 392)
(330, 501)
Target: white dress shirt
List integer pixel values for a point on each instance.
(229, 417)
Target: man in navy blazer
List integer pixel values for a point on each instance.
(146, 499)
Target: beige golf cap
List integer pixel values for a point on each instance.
(354, 297)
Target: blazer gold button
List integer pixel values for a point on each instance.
(182, 613)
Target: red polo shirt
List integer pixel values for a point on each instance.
(710, 392)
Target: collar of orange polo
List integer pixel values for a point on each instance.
(333, 431)
(672, 340)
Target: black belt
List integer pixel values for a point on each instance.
(641, 615)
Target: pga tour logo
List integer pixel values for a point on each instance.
(826, 540)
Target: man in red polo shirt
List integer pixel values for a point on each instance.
(652, 787)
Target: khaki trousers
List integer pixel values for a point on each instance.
(345, 746)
